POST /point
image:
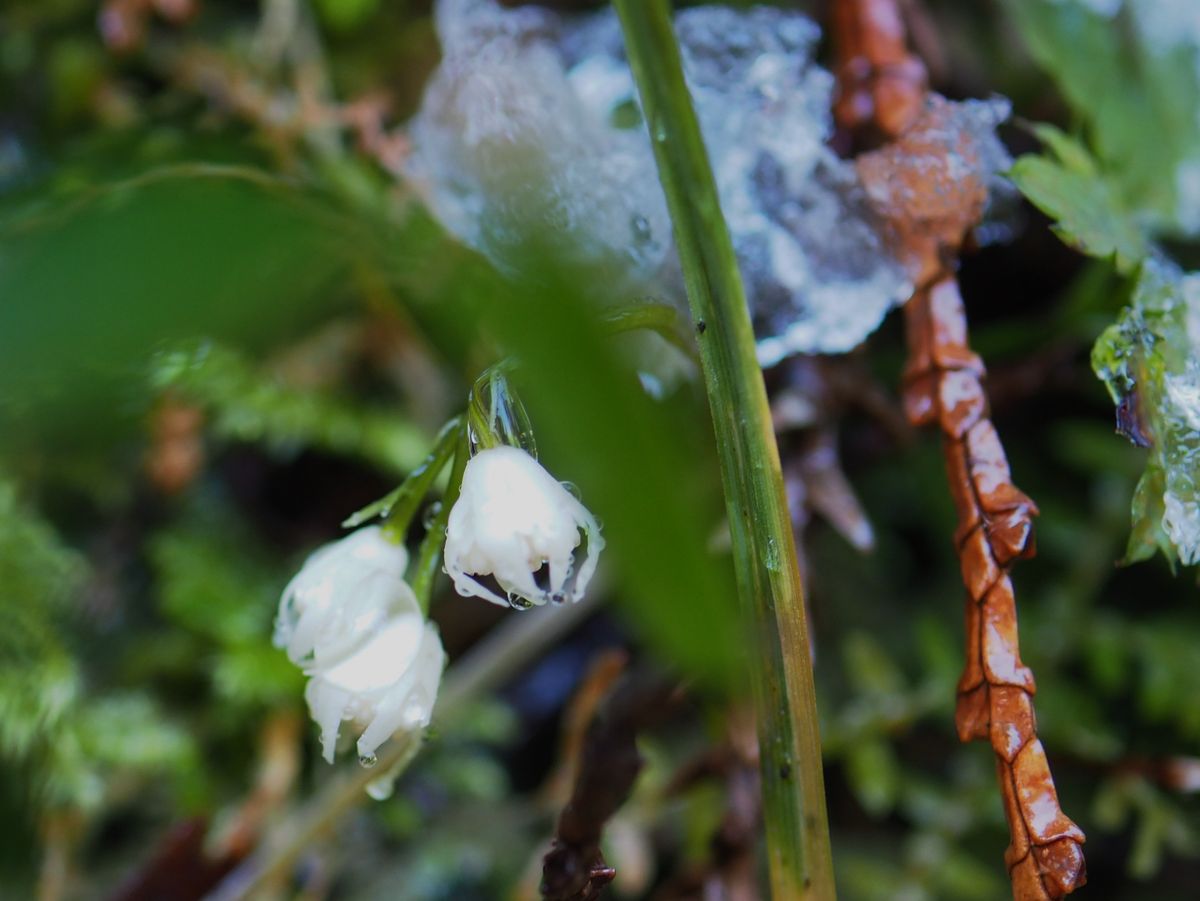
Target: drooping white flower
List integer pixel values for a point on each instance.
(512, 518)
(353, 624)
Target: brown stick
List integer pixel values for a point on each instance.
(880, 84)
(884, 86)
(942, 386)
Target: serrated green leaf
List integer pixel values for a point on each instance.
(1087, 213)
(1067, 149)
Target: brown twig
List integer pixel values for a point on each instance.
(881, 85)
(943, 386)
(574, 868)
(995, 694)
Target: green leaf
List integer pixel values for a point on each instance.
(1137, 98)
(39, 681)
(874, 775)
(211, 583)
(1088, 214)
(93, 285)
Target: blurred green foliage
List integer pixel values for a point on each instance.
(159, 242)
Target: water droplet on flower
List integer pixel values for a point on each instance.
(366, 761)
(517, 602)
(573, 490)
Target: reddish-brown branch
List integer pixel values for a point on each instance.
(880, 84)
(942, 386)
(883, 86)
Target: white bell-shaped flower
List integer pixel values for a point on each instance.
(515, 523)
(354, 625)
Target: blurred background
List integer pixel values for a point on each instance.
(227, 322)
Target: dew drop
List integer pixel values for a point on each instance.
(366, 761)
(381, 789)
(431, 513)
(517, 602)
(573, 490)
(641, 229)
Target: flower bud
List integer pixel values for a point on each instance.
(511, 519)
(353, 624)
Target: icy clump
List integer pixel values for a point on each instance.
(505, 150)
(531, 129)
(818, 276)
(1150, 361)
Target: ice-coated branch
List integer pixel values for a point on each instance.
(764, 552)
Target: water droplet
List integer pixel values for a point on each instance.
(573, 490)
(431, 513)
(381, 789)
(642, 232)
(771, 556)
(517, 602)
(366, 761)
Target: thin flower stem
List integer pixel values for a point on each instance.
(763, 547)
(425, 567)
(660, 318)
(399, 507)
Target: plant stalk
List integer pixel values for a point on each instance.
(429, 554)
(764, 552)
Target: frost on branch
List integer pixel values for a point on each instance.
(1150, 361)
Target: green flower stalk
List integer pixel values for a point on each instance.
(763, 546)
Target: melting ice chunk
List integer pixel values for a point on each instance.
(530, 129)
(506, 150)
(1150, 360)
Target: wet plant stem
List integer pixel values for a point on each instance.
(429, 554)
(764, 552)
(660, 318)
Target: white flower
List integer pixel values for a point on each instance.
(511, 519)
(354, 625)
